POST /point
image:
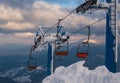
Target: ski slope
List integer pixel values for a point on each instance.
(77, 73)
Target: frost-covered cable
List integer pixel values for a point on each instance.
(87, 26)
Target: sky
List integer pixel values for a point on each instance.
(19, 20)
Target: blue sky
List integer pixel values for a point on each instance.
(19, 18)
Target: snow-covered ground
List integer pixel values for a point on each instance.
(77, 73)
(21, 74)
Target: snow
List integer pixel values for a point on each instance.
(40, 68)
(23, 79)
(12, 72)
(21, 74)
(77, 73)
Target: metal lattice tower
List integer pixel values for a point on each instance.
(111, 36)
(113, 24)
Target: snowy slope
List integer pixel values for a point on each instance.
(21, 74)
(76, 73)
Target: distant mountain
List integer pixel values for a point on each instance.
(23, 75)
(6, 80)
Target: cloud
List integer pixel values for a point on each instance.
(17, 25)
(17, 3)
(91, 41)
(46, 14)
(80, 21)
(25, 34)
(17, 38)
(95, 39)
(64, 3)
(77, 37)
(8, 13)
(13, 19)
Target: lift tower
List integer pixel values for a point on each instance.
(111, 54)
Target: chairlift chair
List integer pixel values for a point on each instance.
(32, 62)
(60, 52)
(82, 53)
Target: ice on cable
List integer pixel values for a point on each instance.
(77, 73)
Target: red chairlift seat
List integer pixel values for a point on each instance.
(31, 67)
(83, 54)
(65, 53)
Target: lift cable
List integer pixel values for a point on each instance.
(60, 20)
(79, 29)
(63, 19)
(88, 26)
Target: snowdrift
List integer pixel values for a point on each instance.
(77, 73)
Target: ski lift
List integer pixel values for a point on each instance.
(61, 50)
(83, 53)
(32, 62)
(61, 45)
